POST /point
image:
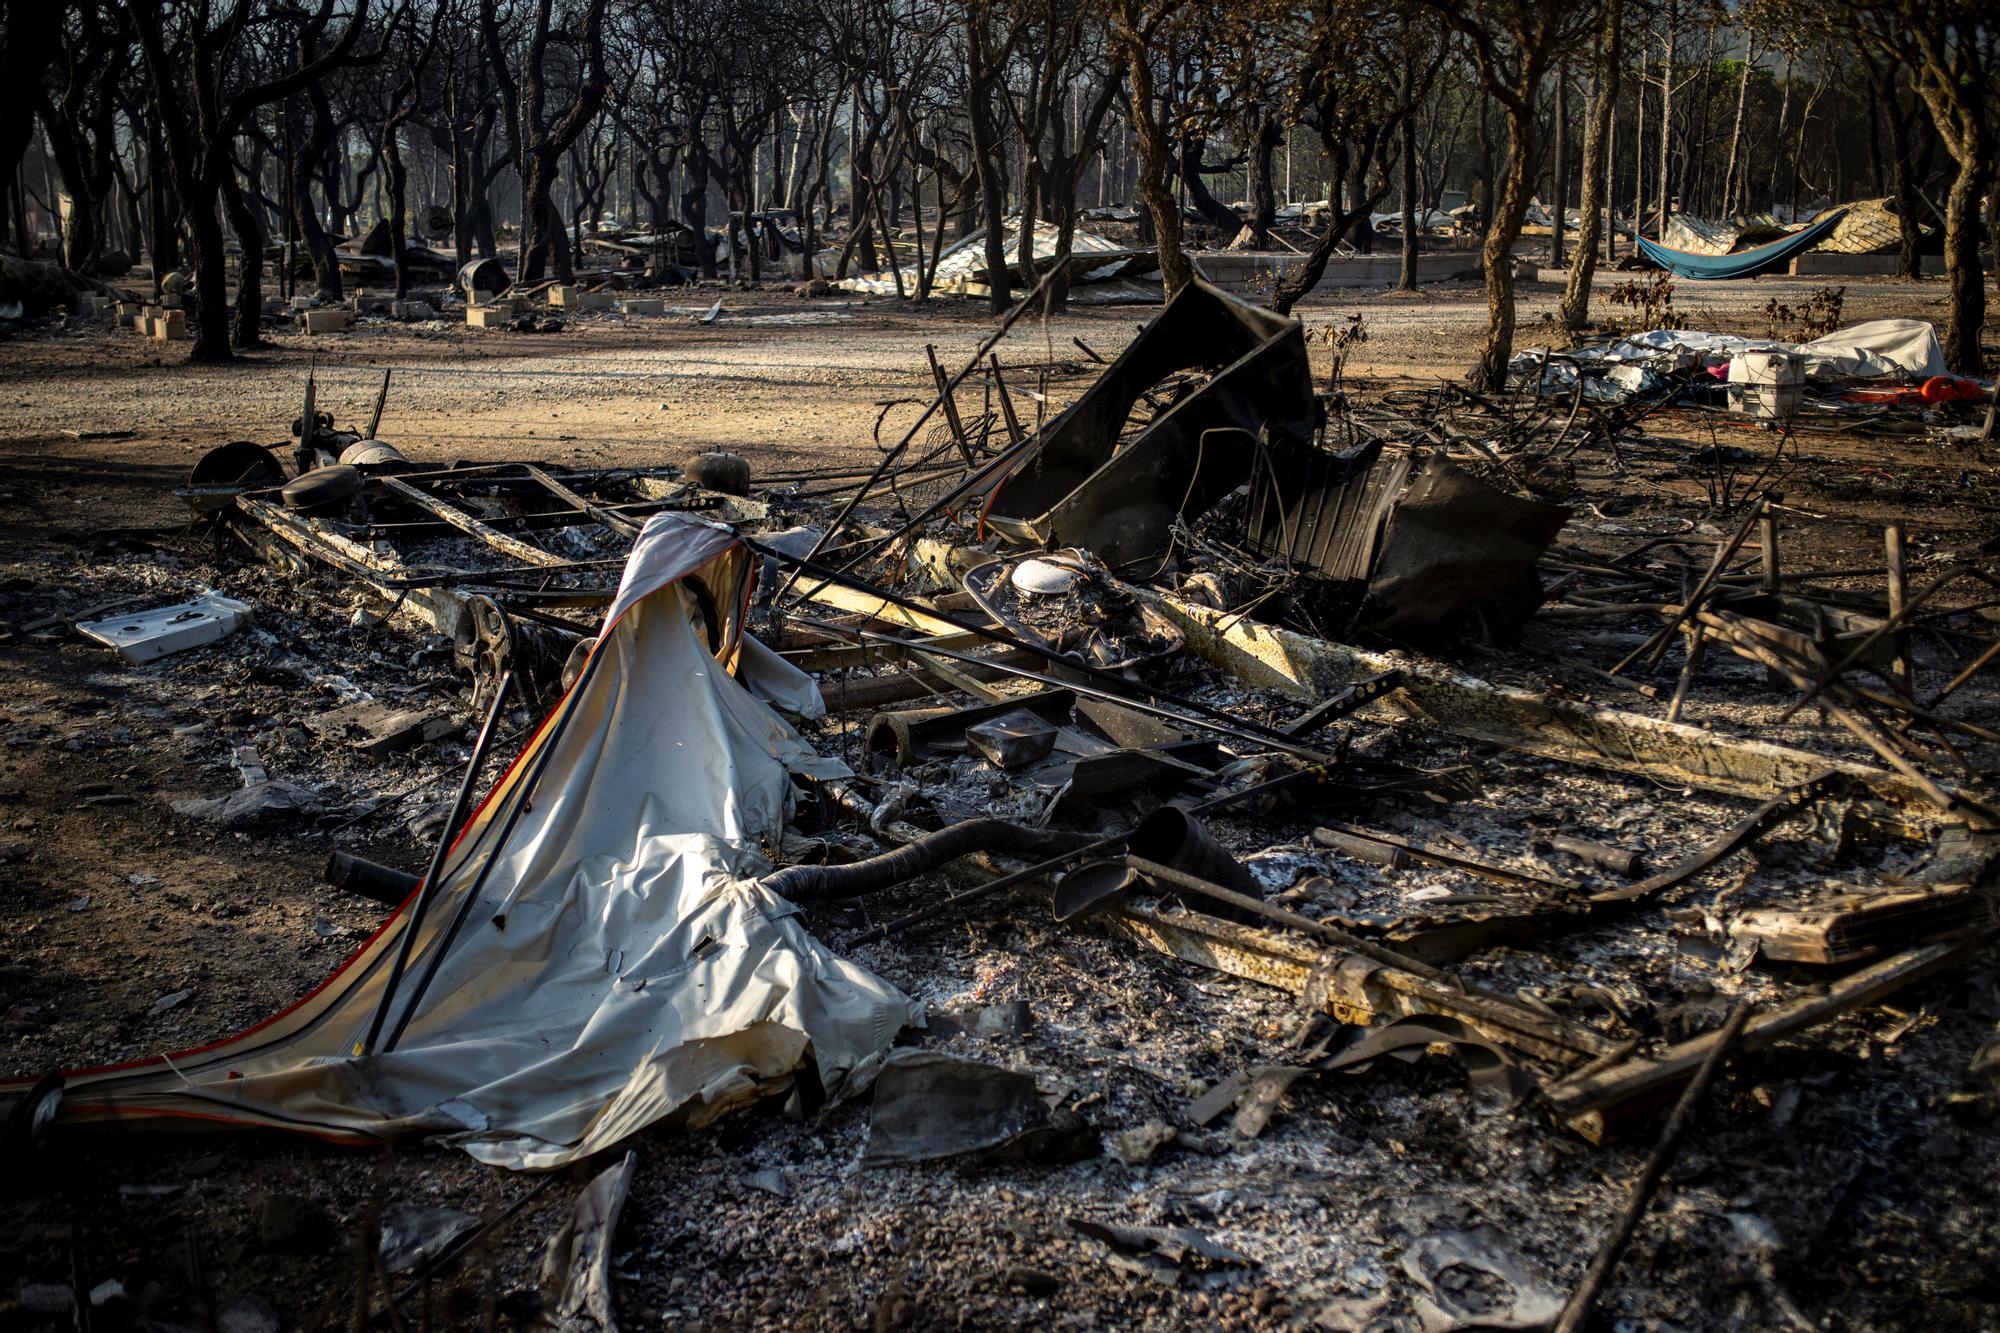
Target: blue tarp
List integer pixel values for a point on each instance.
(1744, 263)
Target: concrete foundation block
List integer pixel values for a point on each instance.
(328, 319)
(642, 305)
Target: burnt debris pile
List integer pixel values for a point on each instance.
(1179, 655)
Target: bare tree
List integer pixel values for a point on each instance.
(1513, 43)
(199, 114)
(1064, 59)
(1136, 27)
(78, 106)
(537, 136)
(987, 54)
(412, 47)
(1607, 57)
(32, 27)
(1368, 69)
(1952, 49)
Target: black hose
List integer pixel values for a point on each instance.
(807, 884)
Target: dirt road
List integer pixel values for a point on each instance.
(785, 381)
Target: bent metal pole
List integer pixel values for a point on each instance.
(889, 459)
(446, 836)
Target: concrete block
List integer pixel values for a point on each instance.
(489, 316)
(642, 305)
(127, 309)
(329, 319)
(577, 298)
(170, 326)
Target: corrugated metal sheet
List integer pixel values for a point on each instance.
(1869, 228)
(1101, 271)
(1685, 231)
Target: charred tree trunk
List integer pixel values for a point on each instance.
(248, 332)
(1964, 275)
(308, 148)
(1559, 214)
(79, 225)
(694, 211)
(1596, 170)
(539, 222)
(1778, 139)
(1667, 117)
(1406, 278)
(1909, 254)
(402, 106)
(210, 315)
(988, 158)
(31, 29)
(1731, 181)
(162, 210)
(399, 189)
(1264, 138)
(1194, 149)
(1482, 178)
(1175, 270)
(1498, 253)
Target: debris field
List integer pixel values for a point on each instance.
(1176, 830)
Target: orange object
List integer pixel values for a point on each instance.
(1951, 389)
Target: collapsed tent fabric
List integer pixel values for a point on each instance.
(621, 963)
(1742, 263)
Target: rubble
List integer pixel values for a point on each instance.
(1101, 272)
(1166, 814)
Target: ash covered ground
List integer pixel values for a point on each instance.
(1833, 1182)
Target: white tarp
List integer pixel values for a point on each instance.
(622, 964)
(1878, 349)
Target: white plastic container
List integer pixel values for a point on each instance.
(1766, 383)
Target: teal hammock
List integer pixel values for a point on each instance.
(1743, 263)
